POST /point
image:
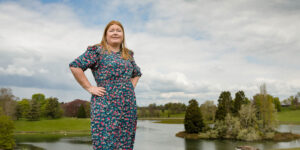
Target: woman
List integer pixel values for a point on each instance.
(113, 102)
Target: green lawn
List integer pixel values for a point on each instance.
(289, 117)
(56, 125)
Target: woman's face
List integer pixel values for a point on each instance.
(114, 35)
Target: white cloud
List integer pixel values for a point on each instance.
(186, 49)
(11, 70)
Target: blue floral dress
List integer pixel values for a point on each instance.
(114, 115)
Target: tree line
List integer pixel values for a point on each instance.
(166, 110)
(239, 118)
(34, 109)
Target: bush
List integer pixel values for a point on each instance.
(6, 132)
(249, 134)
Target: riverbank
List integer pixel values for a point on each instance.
(278, 137)
(297, 148)
(286, 116)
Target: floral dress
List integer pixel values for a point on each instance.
(114, 115)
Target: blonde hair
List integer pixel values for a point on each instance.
(125, 52)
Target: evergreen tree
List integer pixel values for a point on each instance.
(238, 101)
(6, 132)
(81, 112)
(34, 114)
(18, 113)
(193, 122)
(224, 106)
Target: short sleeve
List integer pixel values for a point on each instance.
(87, 60)
(136, 69)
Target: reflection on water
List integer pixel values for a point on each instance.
(157, 136)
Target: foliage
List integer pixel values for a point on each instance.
(208, 110)
(70, 109)
(7, 102)
(175, 108)
(52, 108)
(6, 132)
(227, 128)
(224, 105)
(277, 104)
(193, 122)
(87, 108)
(23, 108)
(266, 111)
(34, 114)
(239, 100)
(167, 110)
(81, 112)
(248, 134)
(247, 116)
(39, 97)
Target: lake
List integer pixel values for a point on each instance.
(158, 136)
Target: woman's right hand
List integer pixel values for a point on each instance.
(99, 91)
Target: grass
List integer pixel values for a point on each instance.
(289, 116)
(62, 125)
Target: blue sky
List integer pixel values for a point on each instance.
(186, 49)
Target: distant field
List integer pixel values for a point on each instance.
(289, 117)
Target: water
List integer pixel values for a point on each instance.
(158, 136)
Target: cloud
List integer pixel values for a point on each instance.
(186, 49)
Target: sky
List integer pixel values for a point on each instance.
(186, 49)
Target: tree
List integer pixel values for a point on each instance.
(224, 106)
(52, 108)
(239, 100)
(24, 107)
(70, 109)
(208, 110)
(87, 109)
(193, 122)
(8, 102)
(34, 113)
(6, 131)
(277, 104)
(288, 101)
(266, 109)
(39, 97)
(247, 116)
(81, 112)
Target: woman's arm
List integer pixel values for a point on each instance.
(84, 82)
(135, 80)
